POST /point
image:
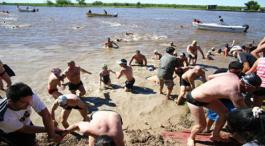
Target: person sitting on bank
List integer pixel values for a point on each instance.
(105, 126)
(105, 76)
(139, 58)
(126, 71)
(15, 124)
(111, 44)
(68, 102)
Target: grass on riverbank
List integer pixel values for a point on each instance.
(134, 5)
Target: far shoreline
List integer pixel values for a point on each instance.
(138, 5)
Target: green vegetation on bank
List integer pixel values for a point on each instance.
(250, 6)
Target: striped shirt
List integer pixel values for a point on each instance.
(261, 71)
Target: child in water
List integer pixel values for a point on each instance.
(105, 76)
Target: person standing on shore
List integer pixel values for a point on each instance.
(168, 63)
(15, 124)
(192, 50)
(208, 95)
(126, 71)
(72, 73)
(55, 79)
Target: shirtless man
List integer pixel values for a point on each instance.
(72, 73)
(4, 76)
(111, 44)
(187, 82)
(192, 51)
(103, 124)
(223, 85)
(260, 49)
(68, 102)
(139, 58)
(126, 71)
(55, 80)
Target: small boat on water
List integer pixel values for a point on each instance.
(101, 15)
(27, 9)
(219, 27)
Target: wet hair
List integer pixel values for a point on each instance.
(246, 125)
(17, 91)
(170, 50)
(137, 51)
(104, 140)
(235, 65)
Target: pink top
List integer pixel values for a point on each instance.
(261, 71)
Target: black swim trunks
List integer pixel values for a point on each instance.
(191, 100)
(72, 107)
(106, 79)
(74, 86)
(129, 84)
(183, 82)
(259, 91)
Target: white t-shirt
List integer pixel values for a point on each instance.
(15, 120)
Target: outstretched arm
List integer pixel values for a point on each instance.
(131, 60)
(84, 71)
(253, 69)
(199, 48)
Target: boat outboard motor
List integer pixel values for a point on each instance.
(246, 27)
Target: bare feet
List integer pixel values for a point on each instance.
(190, 142)
(218, 139)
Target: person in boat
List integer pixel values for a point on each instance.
(4, 77)
(89, 11)
(221, 20)
(111, 44)
(207, 96)
(68, 102)
(105, 12)
(192, 50)
(55, 79)
(139, 58)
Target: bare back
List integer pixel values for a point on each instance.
(225, 86)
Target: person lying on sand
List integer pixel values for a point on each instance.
(105, 126)
(139, 58)
(68, 102)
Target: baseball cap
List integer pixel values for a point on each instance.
(252, 80)
(122, 61)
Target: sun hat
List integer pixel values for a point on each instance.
(62, 100)
(252, 80)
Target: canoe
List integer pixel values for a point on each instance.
(220, 27)
(101, 15)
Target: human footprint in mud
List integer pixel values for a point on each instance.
(105, 128)
(223, 85)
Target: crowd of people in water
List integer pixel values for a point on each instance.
(232, 97)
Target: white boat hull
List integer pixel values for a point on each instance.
(219, 27)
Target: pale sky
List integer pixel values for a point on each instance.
(196, 2)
